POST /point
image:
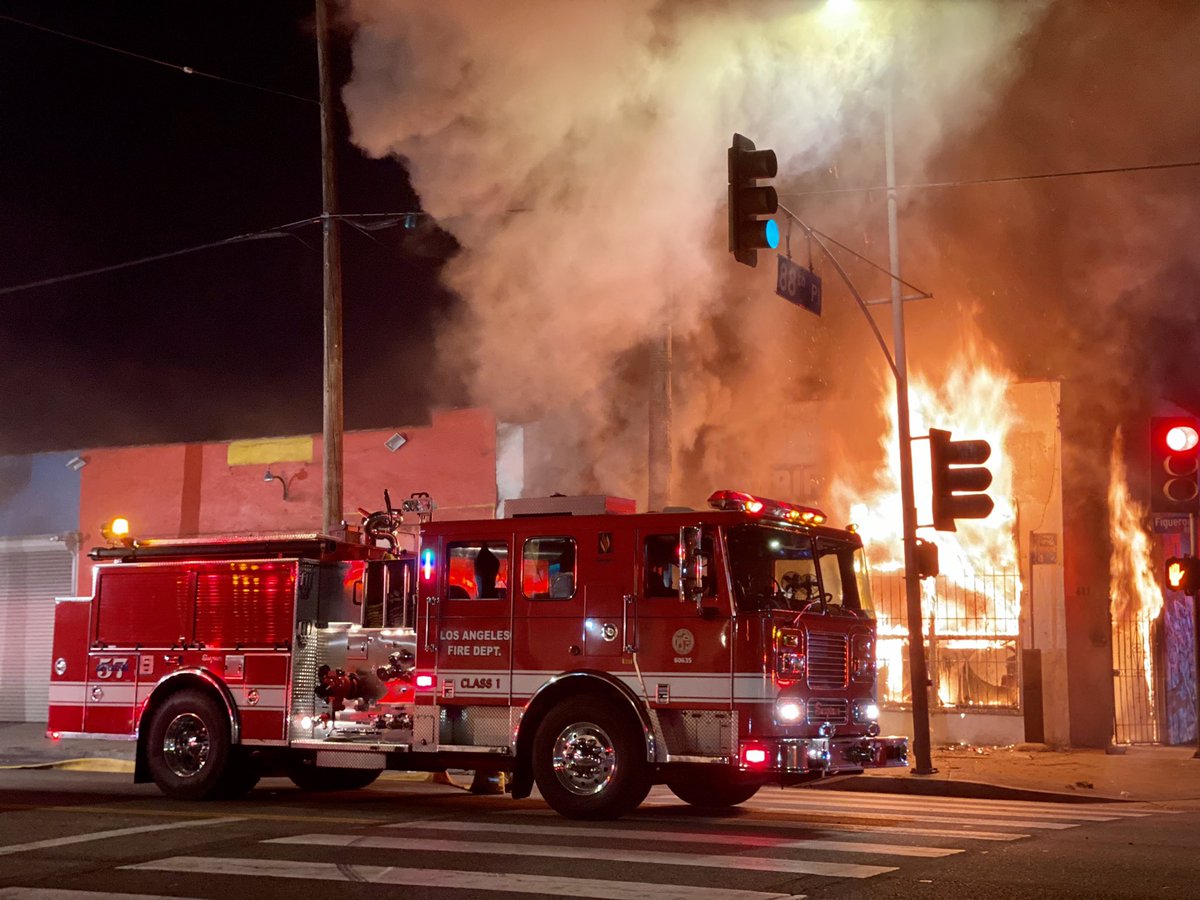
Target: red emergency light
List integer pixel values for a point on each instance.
(740, 501)
(754, 756)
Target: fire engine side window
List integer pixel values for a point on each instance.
(401, 597)
(372, 612)
(477, 570)
(660, 576)
(548, 568)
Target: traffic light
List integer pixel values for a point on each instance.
(1183, 574)
(748, 201)
(927, 559)
(958, 478)
(1174, 450)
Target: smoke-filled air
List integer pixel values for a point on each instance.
(577, 152)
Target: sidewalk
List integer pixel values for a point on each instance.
(1025, 772)
(24, 744)
(1031, 771)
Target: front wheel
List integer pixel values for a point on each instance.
(712, 790)
(189, 748)
(589, 760)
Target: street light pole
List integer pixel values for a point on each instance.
(331, 506)
(912, 587)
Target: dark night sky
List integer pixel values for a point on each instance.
(108, 158)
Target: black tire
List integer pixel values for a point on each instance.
(189, 751)
(242, 776)
(589, 760)
(327, 778)
(712, 790)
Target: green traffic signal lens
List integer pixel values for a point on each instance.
(772, 233)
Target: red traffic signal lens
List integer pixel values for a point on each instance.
(1181, 438)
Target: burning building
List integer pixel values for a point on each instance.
(577, 155)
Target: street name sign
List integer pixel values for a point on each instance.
(798, 285)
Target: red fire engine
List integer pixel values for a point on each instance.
(575, 644)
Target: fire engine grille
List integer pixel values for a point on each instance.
(828, 660)
(833, 711)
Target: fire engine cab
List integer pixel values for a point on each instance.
(574, 644)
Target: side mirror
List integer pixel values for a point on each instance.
(692, 566)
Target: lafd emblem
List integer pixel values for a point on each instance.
(683, 642)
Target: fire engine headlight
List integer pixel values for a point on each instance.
(789, 710)
(865, 711)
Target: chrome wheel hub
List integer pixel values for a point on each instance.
(584, 759)
(186, 745)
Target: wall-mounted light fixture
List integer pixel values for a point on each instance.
(395, 442)
(268, 477)
(75, 463)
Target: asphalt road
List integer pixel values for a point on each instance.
(87, 836)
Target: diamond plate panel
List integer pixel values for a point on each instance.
(475, 726)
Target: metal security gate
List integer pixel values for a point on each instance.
(33, 571)
(972, 646)
(1137, 684)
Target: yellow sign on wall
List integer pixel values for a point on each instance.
(270, 450)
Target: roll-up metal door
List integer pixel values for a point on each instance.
(33, 571)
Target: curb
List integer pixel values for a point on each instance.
(968, 790)
(98, 764)
(126, 766)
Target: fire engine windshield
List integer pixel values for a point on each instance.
(777, 568)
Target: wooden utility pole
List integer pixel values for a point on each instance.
(331, 507)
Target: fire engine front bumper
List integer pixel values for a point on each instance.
(829, 756)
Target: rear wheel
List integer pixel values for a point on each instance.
(189, 749)
(327, 778)
(712, 790)
(589, 760)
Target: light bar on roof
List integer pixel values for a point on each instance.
(767, 509)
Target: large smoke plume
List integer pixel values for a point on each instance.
(577, 153)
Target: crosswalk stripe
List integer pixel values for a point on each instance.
(904, 815)
(650, 857)
(42, 893)
(690, 837)
(963, 804)
(867, 796)
(491, 882)
(892, 805)
(783, 824)
(115, 832)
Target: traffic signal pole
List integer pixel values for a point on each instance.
(918, 674)
(748, 233)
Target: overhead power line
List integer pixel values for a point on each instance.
(186, 70)
(1000, 179)
(382, 220)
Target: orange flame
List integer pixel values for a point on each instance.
(1134, 592)
(977, 607)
